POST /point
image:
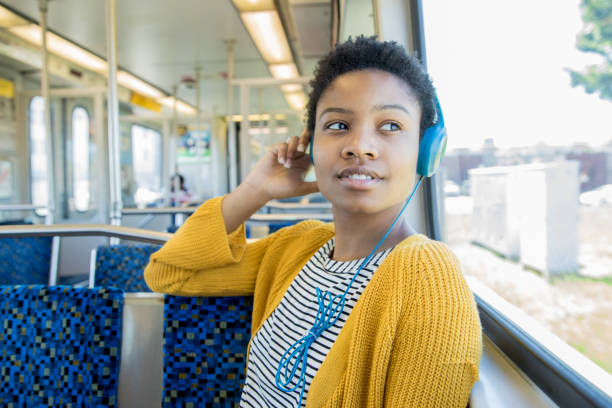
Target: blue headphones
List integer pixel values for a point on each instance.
(431, 147)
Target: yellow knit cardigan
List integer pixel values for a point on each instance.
(413, 338)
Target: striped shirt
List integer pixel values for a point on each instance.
(293, 317)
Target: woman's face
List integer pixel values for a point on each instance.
(366, 141)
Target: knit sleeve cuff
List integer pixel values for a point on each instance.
(202, 242)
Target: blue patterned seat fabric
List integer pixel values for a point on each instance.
(25, 261)
(275, 226)
(59, 346)
(122, 266)
(205, 346)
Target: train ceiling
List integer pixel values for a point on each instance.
(164, 41)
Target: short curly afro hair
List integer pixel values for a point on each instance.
(368, 53)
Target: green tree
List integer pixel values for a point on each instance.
(596, 37)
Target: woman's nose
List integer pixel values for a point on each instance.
(360, 144)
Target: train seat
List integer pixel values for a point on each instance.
(205, 348)
(275, 226)
(25, 260)
(121, 266)
(60, 346)
(99, 347)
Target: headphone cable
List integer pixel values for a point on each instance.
(329, 311)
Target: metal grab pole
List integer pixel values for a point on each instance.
(233, 157)
(44, 91)
(198, 112)
(166, 160)
(245, 147)
(174, 133)
(174, 181)
(113, 114)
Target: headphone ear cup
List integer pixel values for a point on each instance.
(431, 150)
(311, 148)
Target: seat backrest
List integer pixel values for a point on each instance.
(25, 261)
(59, 346)
(122, 266)
(275, 226)
(205, 350)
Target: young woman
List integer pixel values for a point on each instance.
(333, 326)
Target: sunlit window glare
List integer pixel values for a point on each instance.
(38, 154)
(527, 179)
(80, 155)
(146, 157)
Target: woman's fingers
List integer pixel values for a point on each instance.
(292, 144)
(292, 149)
(303, 140)
(282, 153)
(274, 150)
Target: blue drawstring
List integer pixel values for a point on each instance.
(296, 355)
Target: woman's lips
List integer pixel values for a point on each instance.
(359, 184)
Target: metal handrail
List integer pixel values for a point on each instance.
(101, 230)
(254, 217)
(21, 207)
(298, 206)
(289, 217)
(75, 230)
(158, 210)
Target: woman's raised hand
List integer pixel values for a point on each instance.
(280, 172)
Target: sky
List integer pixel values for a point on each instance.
(499, 70)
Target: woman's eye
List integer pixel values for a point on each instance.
(337, 126)
(390, 126)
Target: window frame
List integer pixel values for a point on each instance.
(431, 204)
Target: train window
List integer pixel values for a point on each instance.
(526, 185)
(38, 154)
(146, 159)
(80, 159)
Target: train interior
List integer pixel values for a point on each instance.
(114, 127)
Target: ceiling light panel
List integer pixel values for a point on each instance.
(10, 19)
(135, 84)
(76, 54)
(254, 5)
(181, 106)
(284, 71)
(185, 108)
(291, 88)
(29, 32)
(296, 100)
(167, 101)
(59, 46)
(267, 32)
